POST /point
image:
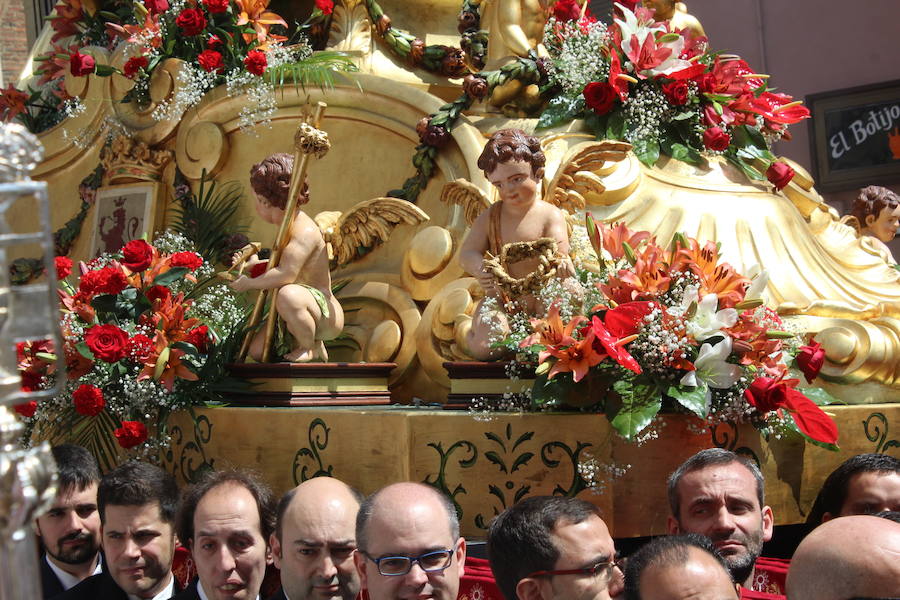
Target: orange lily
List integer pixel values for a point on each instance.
(164, 364)
(12, 102)
(719, 279)
(647, 280)
(148, 33)
(169, 318)
(612, 238)
(551, 332)
(577, 358)
(254, 13)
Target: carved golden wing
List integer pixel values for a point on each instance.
(577, 174)
(467, 195)
(368, 224)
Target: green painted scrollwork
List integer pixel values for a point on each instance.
(192, 450)
(318, 441)
(729, 440)
(508, 461)
(875, 426)
(440, 480)
(577, 483)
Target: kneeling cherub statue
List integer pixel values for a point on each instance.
(305, 303)
(517, 244)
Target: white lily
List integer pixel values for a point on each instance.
(758, 286)
(631, 27)
(708, 321)
(671, 64)
(712, 368)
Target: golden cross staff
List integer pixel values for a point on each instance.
(308, 140)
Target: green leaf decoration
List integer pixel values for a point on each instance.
(560, 110)
(321, 69)
(792, 427)
(692, 398)
(820, 396)
(685, 153)
(639, 404)
(521, 461)
(552, 392)
(615, 126)
(170, 276)
(495, 458)
(647, 151)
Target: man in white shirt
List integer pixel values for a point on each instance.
(137, 504)
(70, 529)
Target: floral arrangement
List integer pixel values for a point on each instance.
(664, 91)
(673, 326)
(144, 334)
(233, 42)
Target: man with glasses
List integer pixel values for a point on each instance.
(549, 547)
(408, 543)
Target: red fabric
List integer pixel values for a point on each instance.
(770, 575)
(183, 566)
(478, 581)
(752, 595)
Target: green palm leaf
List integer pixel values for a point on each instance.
(320, 69)
(207, 217)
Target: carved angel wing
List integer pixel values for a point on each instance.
(577, 174)
(467, 195)
(367, 224)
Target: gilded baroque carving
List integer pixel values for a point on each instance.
(351, 29)
(126, 159)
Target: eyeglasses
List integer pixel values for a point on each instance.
(592, 570)
(430, 562)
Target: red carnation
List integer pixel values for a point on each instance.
(134, 64)
(63, 267)
(600, 96)
(156, 6)
(566, 10)
(216, 6)
(256, 62)
(131, 434)
(199, 337)
(26, 409)
(716, 139)
(137, 255)
(191, 21)
(191, 260)
(326, 6)
(211, 61)
(157, 292)
(81, 64)
(106, 342)
(779, 174)
(810, 360)
(676, 92)
(139, 347)
(108, 280)
(88, 400)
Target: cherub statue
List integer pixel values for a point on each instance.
(676, 14)
(309, 310)
(877, 212)
(514, 163)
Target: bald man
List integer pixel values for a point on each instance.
(409, 544)
(850, 557)
(314, 540)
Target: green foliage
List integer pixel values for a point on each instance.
(321, 70)
(207, 218)
(692, 398)
(637, 405)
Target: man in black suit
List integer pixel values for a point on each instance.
(70, 529)
(226, 520)
(314, 541)
(138, 503)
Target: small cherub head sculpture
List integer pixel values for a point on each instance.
(514, 163)
(271, 181)
(876, 210)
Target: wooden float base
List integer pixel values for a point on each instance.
(470, 380)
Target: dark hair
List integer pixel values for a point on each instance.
(271, 179)
(265, 500)
(707, 458)
(871, 201)
(519, 539)
(666, 551)
(367, 508)
(834, 491)
(512, 145)
(286, 501)
(890, 515)
(137, 484)
(76, 466)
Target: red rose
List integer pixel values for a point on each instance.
(106, 342)
(131, 434)
(256, 62)
(676, 92)
(706, 83)
(199, 337)
(134, 64)
(216, 6)
(779, 174)
(88, 400)
(766, 394)
(566, 10)
(629, 4)
(214, 42)
(810, 360)
(326, 6)
(26, 409)
(769, 394)
(157, 292)
(191, 21)
(716, 139)
(63, 267)
(191, 260)
(139, 347)
(81, 64)
(31, 381)
(137, 255)
(600, 96)
(211, 61)
(156, 6)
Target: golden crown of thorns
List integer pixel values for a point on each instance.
(310, 140)
(544, 249)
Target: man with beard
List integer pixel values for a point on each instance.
(314, 541)
(70, 530)
(137, 504)
(719, 494)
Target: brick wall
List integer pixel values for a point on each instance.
(13, 41)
